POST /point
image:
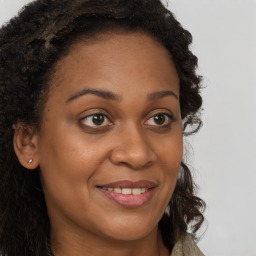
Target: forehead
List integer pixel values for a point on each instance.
(117, 61)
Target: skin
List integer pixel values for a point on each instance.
(75, 155)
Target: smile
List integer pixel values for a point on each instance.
(129, 194)
(127, 191)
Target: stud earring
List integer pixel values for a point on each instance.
(30, 161)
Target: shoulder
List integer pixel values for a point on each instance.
(186, 247)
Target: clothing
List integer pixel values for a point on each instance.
(186, 247)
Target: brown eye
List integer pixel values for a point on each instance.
(98, 119)
(161, 119)
(95, 120)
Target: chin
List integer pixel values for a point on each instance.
(130, 229)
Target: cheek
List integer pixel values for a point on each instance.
(66, 159)
(171, 150)
(68, 164)
(170, 156)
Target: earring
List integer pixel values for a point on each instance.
(30, 161)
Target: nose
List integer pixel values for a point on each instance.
(133, 149)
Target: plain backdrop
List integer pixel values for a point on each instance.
(223, 154)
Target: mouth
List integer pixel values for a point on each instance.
(128, 193)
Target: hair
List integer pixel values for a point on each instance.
(30, 46)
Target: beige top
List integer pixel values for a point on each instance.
(186, 247)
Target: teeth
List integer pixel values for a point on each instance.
(143, 190)
(137, 191)
(118, 190)
(128, 191)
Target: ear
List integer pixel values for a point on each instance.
(25, 145)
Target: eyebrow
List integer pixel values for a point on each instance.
(101, 93)
(161, 94)
(114, 97)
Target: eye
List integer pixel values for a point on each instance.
(95, 120)
(160, 119)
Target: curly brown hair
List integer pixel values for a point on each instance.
(30, 45)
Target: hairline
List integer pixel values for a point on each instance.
(82, 38)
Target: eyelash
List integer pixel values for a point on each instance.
(95, 115)
(168, 119)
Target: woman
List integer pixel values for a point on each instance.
(95, 97)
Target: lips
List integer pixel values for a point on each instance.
(127, 193)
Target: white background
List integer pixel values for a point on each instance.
(223, 154)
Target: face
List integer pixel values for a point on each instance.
(110, 143)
